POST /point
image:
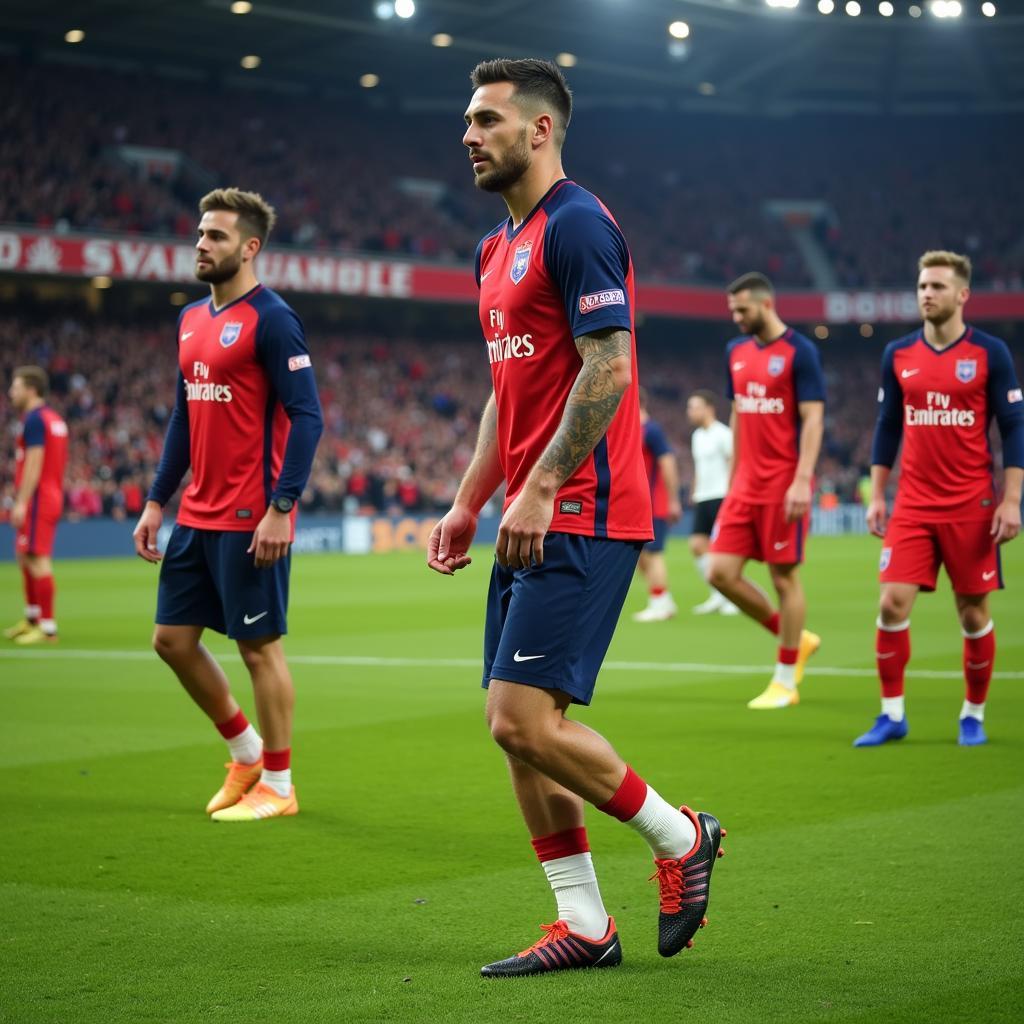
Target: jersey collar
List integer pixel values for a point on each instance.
(966, 336)
(215, 312)
(784, 336)
(511, 233)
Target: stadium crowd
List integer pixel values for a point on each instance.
(691, 202)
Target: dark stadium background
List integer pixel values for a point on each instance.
(826, 150)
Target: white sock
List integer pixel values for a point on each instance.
(892, 707)
(785, 674)
(32, 612)
(574, 883)
(669, 832)
(701, 561)
(246, 747)
(970, 710)
(48, 626)
(279, 782)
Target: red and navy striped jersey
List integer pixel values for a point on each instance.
(247, 417)
(43, 428)
(655, 445)
(563, 273)
(940, 403)
(766, 383)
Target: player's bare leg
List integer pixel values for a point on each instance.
(30, 615)
(660, 605)
(205, 682)
(40, 627)
(274, 795)
(725, 574)
(792, 603)
(892, 652)
(716, 601)
(979, 659)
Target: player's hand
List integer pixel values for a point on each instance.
(876, 516)
(522, 530)
(1006, 521)
(675, 511)
(798, 500)
(450, 540)
(146, 530)
(18, 514)
(271, 538)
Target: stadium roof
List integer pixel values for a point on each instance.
(737, 56)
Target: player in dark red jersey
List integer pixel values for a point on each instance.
(562, 429)
(41, 456)
(941, 387)
(778, 411)
(663, 477)
(247, 420)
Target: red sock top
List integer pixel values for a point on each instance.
(788, 655)
(234, 726)
(772, 623)
(277, 760)
(628, 798)
(561, 844)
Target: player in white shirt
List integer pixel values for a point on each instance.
(711, 446)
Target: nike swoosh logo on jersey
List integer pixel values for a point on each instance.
(977, 665)
(882, 655)
(483, 277)
(256, 618)
(908, 373)
(738, 366)
(527, 657)
(187, 335)
(784, 544)
(988, 575)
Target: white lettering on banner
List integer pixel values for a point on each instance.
(97, 257)
(864, 307)
(184, 263)
(130, 256)
(43, 255)
(10, 251)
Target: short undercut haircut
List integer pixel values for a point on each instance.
(705, 396)
(256, 217)
(537, 82)
(960, 265)
(34, 377)
(755, 283)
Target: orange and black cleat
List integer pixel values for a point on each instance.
(560, 950)
(684, 885)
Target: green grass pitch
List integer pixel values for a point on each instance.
(859, 885)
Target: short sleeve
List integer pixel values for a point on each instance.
(655, 440)
(808, 378)
(34, 431)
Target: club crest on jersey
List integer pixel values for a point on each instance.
(776, 364)
(230, 333)
(966, 370)
(521, 262)
(884, 559)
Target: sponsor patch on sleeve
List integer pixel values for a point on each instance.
(1015, 395)
(597, 300)
(299, 362)
(881, 394)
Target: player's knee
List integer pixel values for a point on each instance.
(893, 609)
(974, 618)
(514, 735)
(169, 646)
(697, 544)
(720, 576)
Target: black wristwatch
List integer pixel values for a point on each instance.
(282, 504)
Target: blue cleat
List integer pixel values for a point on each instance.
(884, 730)
(972, 733)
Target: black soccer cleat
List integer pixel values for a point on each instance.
(560, 950)
(684, 885)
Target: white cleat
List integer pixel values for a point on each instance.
(728, 608)
(660, 611)
(710, 606)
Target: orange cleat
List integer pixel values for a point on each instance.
(241, 778)
(260, 802)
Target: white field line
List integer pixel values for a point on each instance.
(360, 661)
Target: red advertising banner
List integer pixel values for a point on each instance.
(124, 258)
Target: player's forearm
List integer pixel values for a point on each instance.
(1013, 482)
(734, 430)
(669, 470)
(31, 474)
(484, 474)
(812, 430)
(589, 410)
(879, 481)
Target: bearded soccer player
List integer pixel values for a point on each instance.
(663, 477)
(562, 430)
(777, 390)
(40, 458)
(941, 388)
(246, 420)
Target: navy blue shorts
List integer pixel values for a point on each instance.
(657, 545)
(207, 579)
(550, 625)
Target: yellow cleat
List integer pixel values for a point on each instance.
(34, 635)
(809, 643)
(776, 696)
(241, 778)
(22, 626)
(260, 802)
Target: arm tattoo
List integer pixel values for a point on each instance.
(591, 404)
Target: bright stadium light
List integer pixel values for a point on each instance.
(679, 30)
(369, 80)
(75, 35)
(441, 39)
(914, 11)
(886, 9)
(241, 7)
(566, 60)
(853, 8)
(989, 10)
(826, 6)
(405, 8)
(250, 62)
(821, 332)
(384, 10)
(946, 8)
(866, 331)
(102, 282)
(788, 4)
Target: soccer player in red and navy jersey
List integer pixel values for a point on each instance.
(663, 477)
(942, 386)
(778, 412)
(41, 456)
(246, 421)
(562, 430)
